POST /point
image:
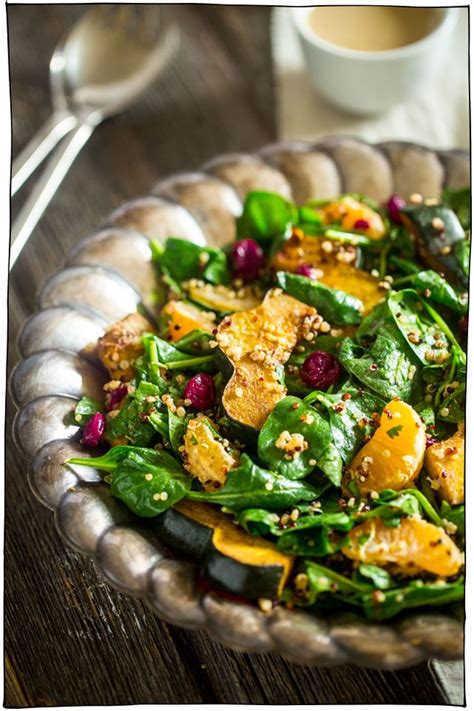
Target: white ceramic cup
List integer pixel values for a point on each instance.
(371, 82)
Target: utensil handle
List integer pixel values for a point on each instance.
(49, 135)
(48, 183)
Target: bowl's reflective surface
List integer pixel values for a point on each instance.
(107, 275)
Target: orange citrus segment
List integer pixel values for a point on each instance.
(393, 457)
(412, 546)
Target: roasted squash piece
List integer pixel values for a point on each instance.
(349, 212)
(257, 343)
(316, 251)
(207, 456)
(444, 462)
(334, 264)
(238, 562)
(121, 344)
(182, 318)
(224, 299)
(393, 457)
(413, 546)
(437, 230)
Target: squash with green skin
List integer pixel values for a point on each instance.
(257, 343)
(236, 561)
(224, 299)
(437, 230)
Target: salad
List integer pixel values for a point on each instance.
(294, 416)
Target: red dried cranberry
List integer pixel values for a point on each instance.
(430, 440)
(201, 391)
(93, 430)
(247, 259)
(306, 270)
(361, 225)
(115, 397)
(320, 370)
(394, 204)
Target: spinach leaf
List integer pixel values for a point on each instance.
(351, 419)
(85, 408)
(459, 200)
(416, 594)
(421, 335)
(325, 580)
(436, 288)
(386, 366)
(316, 542)
(150, 487)
(379, 577)
(260, 522)
(294, 417)
(131, 423)
(162, 354)
(462, 252)
(337, 307)
(182, 260)
(250, 486)
(176, 429)
(266, 216)
(455, 514)
(109, 461)
(194, 343)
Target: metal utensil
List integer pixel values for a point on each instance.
(110, 57)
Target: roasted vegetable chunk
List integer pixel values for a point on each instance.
(334, 265)
(182, 318)
(354, 215)
(121, 345)
(207, 456)
(444, 462)
(413, 546)
(437, 231)
(224, 299)
(257, 343)
(393, 457)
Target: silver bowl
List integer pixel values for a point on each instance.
(106, 276)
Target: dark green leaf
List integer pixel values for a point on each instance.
(415, 594)
(250, 486)
(85, 408)
(350, 418)
(182, 260)
(459, 200)
(379, 577)
(149, 488)
(337, 307)
(265, 216)
(296, 417)
(435, 287)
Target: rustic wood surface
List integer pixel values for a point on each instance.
(70, 639)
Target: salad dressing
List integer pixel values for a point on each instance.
(372, 28)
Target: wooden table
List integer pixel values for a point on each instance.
(71, 639)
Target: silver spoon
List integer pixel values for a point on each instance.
(111, 56)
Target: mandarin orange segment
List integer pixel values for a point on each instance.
(393, 457)
(444, 462)
(413, 546)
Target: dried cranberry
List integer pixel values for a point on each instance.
(247, 259)
(306, 270)
(115, 396)
(320, 370)
(201, 391)
(394, 204)
(93, 430)
(430, 440)
(361, 225)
